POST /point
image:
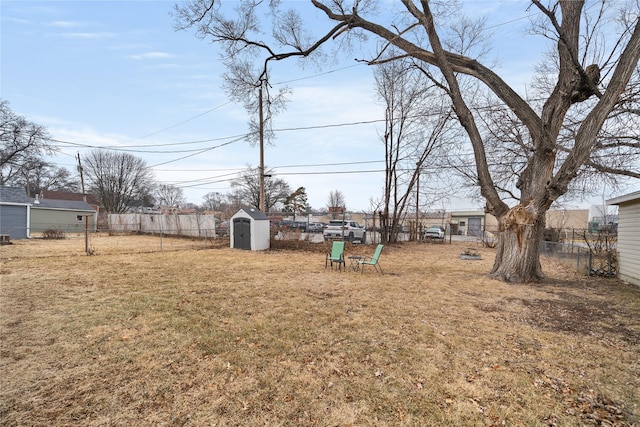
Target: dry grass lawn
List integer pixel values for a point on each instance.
(220, 337)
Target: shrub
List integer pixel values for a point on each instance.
(53, 234)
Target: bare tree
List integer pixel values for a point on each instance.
(416, 125)
(119, 180)
(336, 203)
(596, 73)
(170, 195)
(213, 201)
(38, 175)
(23, 144)
(245, 84)
(247, 189)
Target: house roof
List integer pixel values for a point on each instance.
(72, 205)
(626, 198)
(67, 195)
(13, 195)
(478, 212)
(434, 215)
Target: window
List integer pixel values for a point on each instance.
(462, 223)
(78, 218)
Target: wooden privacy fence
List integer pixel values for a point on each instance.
(174, 225)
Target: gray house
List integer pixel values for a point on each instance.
(15, 211)
(628, 236)
(68, 216)
(21, 216)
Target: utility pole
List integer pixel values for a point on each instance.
(261, 118)
(86, 217)
(417, 201)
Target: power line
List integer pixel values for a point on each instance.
(199, 152)
(276, 167)
(329, 172)
(128, 147)
(318, 75)
(179, 124)
(229, 102)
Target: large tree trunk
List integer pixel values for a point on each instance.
(518, 251)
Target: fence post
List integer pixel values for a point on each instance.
(573, 237)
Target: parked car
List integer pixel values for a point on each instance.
(287, 224)
(222, 228)
(316, 227)
(347, 230)
(434, 232)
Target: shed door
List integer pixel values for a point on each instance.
(475, 227)
(242, 233)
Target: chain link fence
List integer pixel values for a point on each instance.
(590, 254)
(585, 260)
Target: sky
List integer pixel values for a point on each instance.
(115, 74)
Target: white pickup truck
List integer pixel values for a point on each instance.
(347, 230)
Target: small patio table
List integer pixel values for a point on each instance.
(354, 262)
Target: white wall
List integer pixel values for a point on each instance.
(178, 225)
(629, 242)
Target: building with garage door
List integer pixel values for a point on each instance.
(250, 230)
(66, 216)
(15, 212)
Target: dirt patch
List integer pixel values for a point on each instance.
(586, 316)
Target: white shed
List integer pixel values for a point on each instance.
(628, 236)
(250, 230)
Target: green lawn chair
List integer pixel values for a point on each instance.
(374, 260)
(336, 256)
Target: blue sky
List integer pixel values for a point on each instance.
(117, 74)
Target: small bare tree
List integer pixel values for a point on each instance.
(247, 189)
(336, 204)
(416, 126)
(214, 201)
(170, 195)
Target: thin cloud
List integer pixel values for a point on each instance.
(88, 36)
(130, 46)
(65, 24)
(19, 21)
(152, 55)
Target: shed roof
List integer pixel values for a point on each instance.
(626, 198)
(254, 213)
(13, 195)
(72, 205)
